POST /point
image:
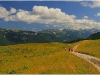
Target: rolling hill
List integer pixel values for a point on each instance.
(45, 58)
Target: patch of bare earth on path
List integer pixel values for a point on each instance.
(97, 62)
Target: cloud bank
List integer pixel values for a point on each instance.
(48, 16)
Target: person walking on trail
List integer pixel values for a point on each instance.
(70, 50)
(65, 48)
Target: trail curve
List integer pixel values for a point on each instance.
(93, 60)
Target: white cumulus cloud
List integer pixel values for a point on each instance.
(48, 16)
(3, 12)
(12, 10)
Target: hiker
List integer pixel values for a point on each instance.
(71, 50)
(65, 48)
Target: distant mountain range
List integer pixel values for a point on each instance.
(14, 36)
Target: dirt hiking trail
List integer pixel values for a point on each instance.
(93, 60)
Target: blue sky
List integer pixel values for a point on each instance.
(39, 15)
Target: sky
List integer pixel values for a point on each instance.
(40, 15)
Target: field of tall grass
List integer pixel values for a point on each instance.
(42, 58)
(90, 47)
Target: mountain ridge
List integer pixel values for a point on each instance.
(14, 36)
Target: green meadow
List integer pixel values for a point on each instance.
(46, 58)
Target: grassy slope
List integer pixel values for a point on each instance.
(91, 47)
(49, 58)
